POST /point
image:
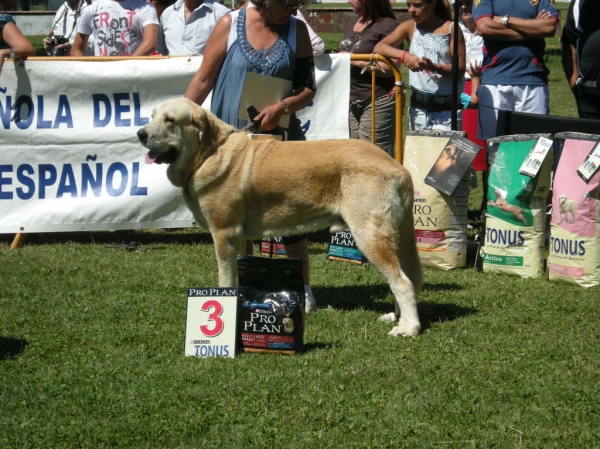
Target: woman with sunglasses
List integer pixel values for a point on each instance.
(374, 20)
(267, 40)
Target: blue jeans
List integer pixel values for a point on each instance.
(420, 119)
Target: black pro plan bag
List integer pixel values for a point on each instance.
(271, 305)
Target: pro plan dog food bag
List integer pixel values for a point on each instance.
(574, 254)
(516, 208)
(440, 219)
(342, 247)
(271, 305)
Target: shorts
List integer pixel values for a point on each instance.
(522, 98)
(420, 119)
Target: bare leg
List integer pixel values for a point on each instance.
(249, 249)
(299, 250)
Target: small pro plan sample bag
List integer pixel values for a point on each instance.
(271, 305)
(342, 247)
(574, 255)
(516, 208)
(440, 219)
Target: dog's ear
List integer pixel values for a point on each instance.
(207, 131)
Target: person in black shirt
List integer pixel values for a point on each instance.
(580, 49)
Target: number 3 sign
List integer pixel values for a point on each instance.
(211, 322)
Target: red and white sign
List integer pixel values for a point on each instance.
(211, 322)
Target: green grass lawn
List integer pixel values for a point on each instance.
(91, 354)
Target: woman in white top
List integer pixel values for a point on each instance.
(429, 59)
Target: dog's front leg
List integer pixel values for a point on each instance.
(227, 248)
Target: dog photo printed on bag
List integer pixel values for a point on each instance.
(574, 255)
(516, 208)
(440, 219)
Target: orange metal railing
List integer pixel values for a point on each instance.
(399, 92)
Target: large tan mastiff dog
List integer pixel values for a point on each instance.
(240, 189)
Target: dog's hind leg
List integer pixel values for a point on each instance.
(381, 248)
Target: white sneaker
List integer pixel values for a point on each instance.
(310, 303)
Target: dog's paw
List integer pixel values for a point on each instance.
(405, 330)
(388, 318)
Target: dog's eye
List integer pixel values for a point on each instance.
(169, 119)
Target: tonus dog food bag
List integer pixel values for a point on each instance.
(574, 249)
(271, 305)
(516, 206)
(440, 219)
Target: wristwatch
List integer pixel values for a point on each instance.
(286, 107)
(505, 20)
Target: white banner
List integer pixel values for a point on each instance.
(70, 159)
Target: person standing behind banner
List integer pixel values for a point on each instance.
(514, 77)
(429, 59)
(316, 42)
(473, 60)
(119, 27)
(12, 42)
(63, 32)
(186, 25)
(267, 40)
(581, 55)
(374, 20)
(160, 6)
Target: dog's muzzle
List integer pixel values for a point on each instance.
(142, 135)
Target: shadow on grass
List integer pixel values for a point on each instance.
(375, 298)
(11, 347)
(184, 236)
(150, 236)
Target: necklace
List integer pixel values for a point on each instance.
(261, 60)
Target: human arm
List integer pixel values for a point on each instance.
(216, 48)
(388, 46)
(517, 29)
(474, 70)
(569, 38)
(446, 69)
(19, 45)
(161, 44)
(371, 35)
(304, 89)
(569, 63)
(317, 44)
(79, 44)
(148, 44)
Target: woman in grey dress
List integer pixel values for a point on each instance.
(266, 40)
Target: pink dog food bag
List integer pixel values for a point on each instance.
(574, 251)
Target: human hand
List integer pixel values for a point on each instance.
(413, 62)
(474, 68)
(543, 14)
(3, 55)
(269, 117)
(428, 64)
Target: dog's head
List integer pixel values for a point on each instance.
(288, 325)
(181, 134)
(562, 199)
